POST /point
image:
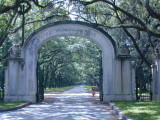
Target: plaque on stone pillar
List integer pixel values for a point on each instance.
(124, 52)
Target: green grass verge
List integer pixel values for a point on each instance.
(58, 89)
(140, 110)
(89, 88)
(10, 104)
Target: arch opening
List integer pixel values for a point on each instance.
(68, 61)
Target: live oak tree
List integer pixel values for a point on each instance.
(68, 61)
(135, 23)
(28, 15)
(137, 18)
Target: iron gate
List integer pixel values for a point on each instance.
(1, 83)
(40, 86)
(143, 84)
(100, 79)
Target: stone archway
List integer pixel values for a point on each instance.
(21, 71)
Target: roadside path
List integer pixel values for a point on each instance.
(74, 104)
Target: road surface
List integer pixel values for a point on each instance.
(74, 104)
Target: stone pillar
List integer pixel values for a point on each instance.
(156, 78)
(127, 79)
(6, 80)
(133, 82)
(13, 78)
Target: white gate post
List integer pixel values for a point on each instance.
(127, 78)
(156, 79)
(13, 81)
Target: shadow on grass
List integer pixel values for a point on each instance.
(140, 110)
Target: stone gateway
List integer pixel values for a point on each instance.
(20, 75)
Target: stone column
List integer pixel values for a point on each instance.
(133, 82)
(127, 79)
(6, 80)
(156, 78)
(13, 80)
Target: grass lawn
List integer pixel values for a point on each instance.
(149, 110)
(9, 105)
(58, 89)
(89, 87)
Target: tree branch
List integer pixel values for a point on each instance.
(134, 42)
(8, 8)
(151, 12)
(36, 2)
(18, 4)
(137, 20)
(117, 8)
(50, 17)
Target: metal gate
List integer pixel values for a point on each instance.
(100, 79)
(40, 86)
(1, 83)
(143, 84)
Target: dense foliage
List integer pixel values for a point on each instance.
(68, 61)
